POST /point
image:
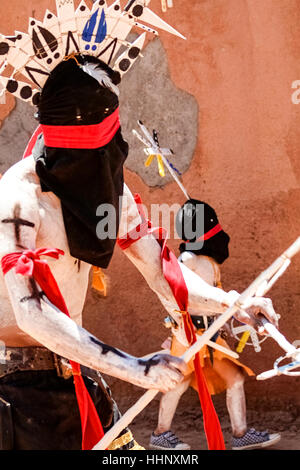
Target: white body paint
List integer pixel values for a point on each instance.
(28, 323)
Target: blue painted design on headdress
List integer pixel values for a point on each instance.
(89, 28)
(102, 29)
(87, 33)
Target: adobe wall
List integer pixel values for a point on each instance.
(222, 100)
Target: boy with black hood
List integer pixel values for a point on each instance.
(204, 249)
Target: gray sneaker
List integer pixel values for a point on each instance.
(167, 441)
(254, 439)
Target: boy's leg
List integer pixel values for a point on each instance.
(163, 438)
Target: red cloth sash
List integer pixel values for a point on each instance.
(77, 137)
(28, 263)
(174, 276)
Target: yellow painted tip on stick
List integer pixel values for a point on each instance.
(161, 169)
(149, 160)
(243, 342)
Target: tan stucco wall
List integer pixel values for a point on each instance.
(239, 62)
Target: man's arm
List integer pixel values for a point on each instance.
(145, 255)
(38, 318)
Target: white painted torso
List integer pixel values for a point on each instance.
(72, 281)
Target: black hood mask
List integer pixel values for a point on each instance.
(216, 246)
(82, 179)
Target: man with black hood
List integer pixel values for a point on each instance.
(204, 249)
(48, 207)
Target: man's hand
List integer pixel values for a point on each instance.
(255, 307)
(162, 372)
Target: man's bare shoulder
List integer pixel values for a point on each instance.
(20, 176)
(19, 196)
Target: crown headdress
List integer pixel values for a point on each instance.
(99, 31)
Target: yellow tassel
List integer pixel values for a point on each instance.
(149, 160)
(161, 169)
(99, 282)
(160, 163)
(243, 341)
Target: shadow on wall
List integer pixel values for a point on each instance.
(148, 94)
(15, 134)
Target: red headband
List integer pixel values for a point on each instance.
(82, 137)
(212, 232)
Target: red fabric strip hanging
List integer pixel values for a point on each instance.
(174, 276)
(28, 263)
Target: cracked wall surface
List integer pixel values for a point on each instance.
(15, 133)
(148, 94)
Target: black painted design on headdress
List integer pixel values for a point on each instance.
(113, 45)
(33, 73)
(38, 47)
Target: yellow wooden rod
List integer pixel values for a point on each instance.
(149, 160)
(161, 169)
(243, 341)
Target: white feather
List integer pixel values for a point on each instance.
(101, 76)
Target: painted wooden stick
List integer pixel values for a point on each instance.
(280, 370)
(130, 414)
(158, 151)
(218, 347)
(212, 344)
(279, 338)
(266, 275)
(289, 348)
(172, 172)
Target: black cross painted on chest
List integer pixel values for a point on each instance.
(18, 222)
